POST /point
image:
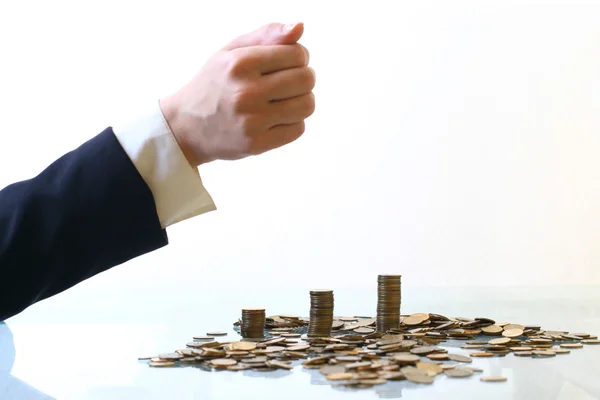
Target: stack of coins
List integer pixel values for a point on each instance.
(389, 296)
(253, 323)
(321, 313)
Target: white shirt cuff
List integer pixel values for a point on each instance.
(176, 186)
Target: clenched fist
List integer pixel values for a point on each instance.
(251, 97)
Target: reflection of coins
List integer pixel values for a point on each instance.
(493, 379)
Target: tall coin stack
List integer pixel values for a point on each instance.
(321, 313)
(253, 323)
(389, 296)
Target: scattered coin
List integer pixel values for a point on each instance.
(223, 362)
(364, 330)
(203, 338)
(458, 372)
(482, 354)
(340, 376)
(170, 356)
(216, 333)
(571, 345)
(492, 330)
(493, 379)
(512, 333)
(438, 356)
(590, 341)
(459, 358)
(159, 364)
(502, 340)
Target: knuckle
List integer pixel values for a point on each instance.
(310, 104)
(240, 63)
(308, 77)
(304, 54)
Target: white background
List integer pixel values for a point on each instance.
(454, 144)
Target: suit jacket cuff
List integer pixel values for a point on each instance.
(176, 186)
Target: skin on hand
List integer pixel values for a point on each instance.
(250, 97)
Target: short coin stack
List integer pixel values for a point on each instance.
(321, 313)
(389, 296)
(253, 323)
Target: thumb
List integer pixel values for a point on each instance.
(268, 35)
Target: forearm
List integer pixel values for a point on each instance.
(87, 212)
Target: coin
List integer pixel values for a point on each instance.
(159, 364)
(419, 377)
(246, 346)
(321, 313)
(481, 354)
(170, 356)
(203, 338)
(415, 319)
(216, 333)
(394, 376)
(492, 330)
(429, 366)
(511, 333)
(389, 297)
(514, 326)
(590, 341)
(253, 323)
(332, 369)
(364, 330)
(222, 362)
(406, 358)
(544, 353)
(502, 340)
(280, 364)
(422, 350)
(340, 376)
(145, 358)
(523, 353)
(459, 358)
(437, 356)
(458, 372)
(493, 379)
(571, 345)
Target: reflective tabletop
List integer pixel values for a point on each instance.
(66, 350)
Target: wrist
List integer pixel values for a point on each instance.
(181, 132)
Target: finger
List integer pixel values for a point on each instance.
(277, 136)
(269, 34)
(270, 59)
(291, 111)
(288, 83)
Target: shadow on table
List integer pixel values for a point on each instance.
(10, 386)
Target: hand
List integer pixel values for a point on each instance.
(251, 97)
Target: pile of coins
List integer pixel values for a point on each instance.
(321, 313)
(408, 352)
(253, 323)
(389, 295)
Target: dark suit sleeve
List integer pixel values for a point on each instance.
(87, 212)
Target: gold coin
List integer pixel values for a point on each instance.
(170, 356)
(545, 353)
(145, 358)
(422, 350)
(243, 345)
(429, 366)
(493, 379)
(203, 338)
(348, 319)
(492, 330)
(223, 362)
(290, 335)
(332, 369)
(571, 345)
(437, 356)
(590, 341)
(502, 340)
(406, 358)
(459, 358)
(482, 354)
(340, 376)
(280, 364)
(364, 330)
(558, 350)
(415, 319)
(419, 377)
(511, 333)
(299, 347)
(373, 382)
(458, 372)
(216, 333)
(394, 376)
(159, 364)
(513, 326)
